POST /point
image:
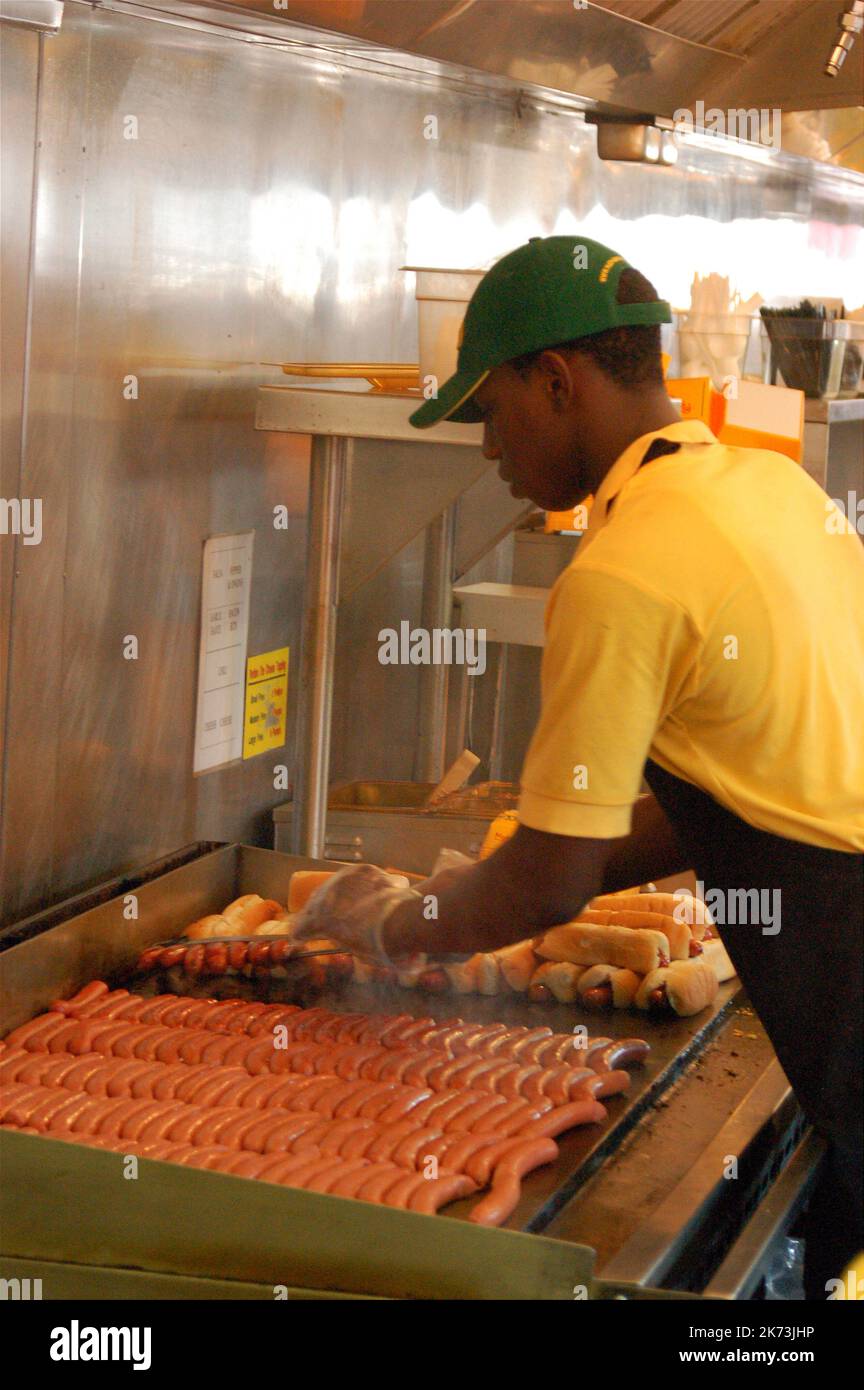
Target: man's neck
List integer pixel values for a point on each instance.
(636, 414)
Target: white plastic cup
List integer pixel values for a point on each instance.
(713, 345)
(442, 298)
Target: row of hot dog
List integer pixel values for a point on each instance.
(399, 1110)
(654, 951)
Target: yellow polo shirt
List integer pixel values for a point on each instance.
(712, 620)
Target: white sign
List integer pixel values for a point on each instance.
(225, 585)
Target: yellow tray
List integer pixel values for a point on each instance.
(382, 376)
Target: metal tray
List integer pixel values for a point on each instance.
(388, 823)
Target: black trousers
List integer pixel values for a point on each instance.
(805, 981)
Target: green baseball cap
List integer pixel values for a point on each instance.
(551, 290)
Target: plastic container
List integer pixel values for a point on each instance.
(442, 298)
(713, 345)
(824, 358)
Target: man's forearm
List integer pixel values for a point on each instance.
(531, 883)
(513, 894)
(650, 851)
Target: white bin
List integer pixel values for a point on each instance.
(442, 298)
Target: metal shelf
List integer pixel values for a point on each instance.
(353, 415)
(506, 612)
(833, 412)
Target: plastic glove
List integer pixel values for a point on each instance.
(352, 908)
(451, 859)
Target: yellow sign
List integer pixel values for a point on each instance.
(264, 723)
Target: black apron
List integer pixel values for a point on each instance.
(806, 983)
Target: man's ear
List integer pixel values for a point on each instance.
(559, 380)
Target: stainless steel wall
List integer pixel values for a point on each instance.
(259, 213)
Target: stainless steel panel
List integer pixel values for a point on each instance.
(19, 63)
(261, 215)
(62, 1201)
(429, 756)
(331, 461)
(97, 943)
(62, 1280)
(395, 491)
(34, 695)
(747, 1263)
(388, 839)
(650, 1254)
(485, 515)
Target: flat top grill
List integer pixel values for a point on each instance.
(674, 1042)
(102, 943)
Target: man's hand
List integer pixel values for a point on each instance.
(352, 907)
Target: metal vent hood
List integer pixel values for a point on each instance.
(651, 57)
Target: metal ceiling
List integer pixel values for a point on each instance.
(654, 57)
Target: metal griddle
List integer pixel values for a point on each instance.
(103, 943)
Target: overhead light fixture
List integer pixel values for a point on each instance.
(633, 141)
(851, 23)
(668, 148)
(46, 15)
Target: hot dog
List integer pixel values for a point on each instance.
(521, 1158)
(677, 933)
(686, 986)
(619, 987)
(717, 956)
(681, 905)
(588, 943)
(517, 964)
(560, 977)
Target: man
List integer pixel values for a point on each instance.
(709, 635)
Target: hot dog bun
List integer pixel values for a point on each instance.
(590, 943)
(370, 972)
(715, 952)
(408, 976)
(681, 905)
(517, 964)
(302, 885)
(250, 911)
(561, 978)
(677, 933)
(623, 983)
(486, 973)
(214, 925)
(461, 976)
(691, 985)
(280, 925)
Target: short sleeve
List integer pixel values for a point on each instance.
(617, 659)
